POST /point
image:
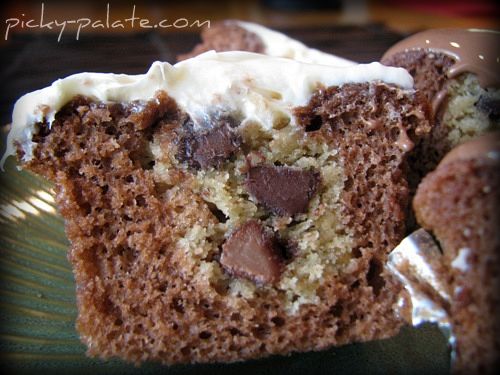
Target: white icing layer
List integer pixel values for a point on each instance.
(279, 45)
(254, 86)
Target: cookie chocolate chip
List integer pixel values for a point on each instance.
(253, 253)
(210, 148)
(283, 190)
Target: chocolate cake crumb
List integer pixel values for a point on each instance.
(210, 148)
(427, 69)
(252, 252)
(283, 190)
(428, 72)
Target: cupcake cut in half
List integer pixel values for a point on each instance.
(228, 207)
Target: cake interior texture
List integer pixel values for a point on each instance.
(459, 203)
(462, 108)
(156, 208)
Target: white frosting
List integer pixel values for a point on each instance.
(279, 45)
(460, 262)
(253, 85)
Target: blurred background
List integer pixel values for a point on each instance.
(402, 15)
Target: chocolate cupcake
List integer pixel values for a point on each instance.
(458, 71)
(459, 203)
(229, 207)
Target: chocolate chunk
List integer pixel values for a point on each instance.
(490, 105)
(253, 253)
(283, 190)
(210, 148)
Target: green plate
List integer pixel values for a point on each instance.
(38, 308)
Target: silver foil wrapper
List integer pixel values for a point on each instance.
(417, 263)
